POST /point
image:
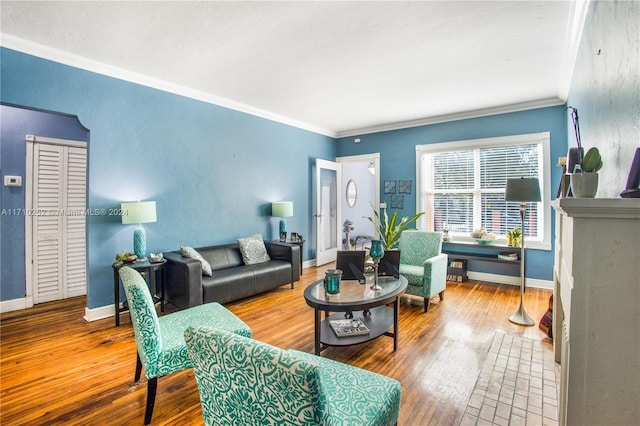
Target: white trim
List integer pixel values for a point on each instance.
(523, 106)
(15, 304)
(509, 279)
(76, 61)
(56, 141)
(99, 313)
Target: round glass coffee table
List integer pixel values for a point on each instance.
(358, 302)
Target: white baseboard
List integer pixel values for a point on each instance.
(99, 313)
(16, 304)
(509, 279)
(308, 263)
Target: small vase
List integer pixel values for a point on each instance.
(584, 185)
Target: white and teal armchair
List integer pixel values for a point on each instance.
(423, 264)
(246, 382)
(160, 340)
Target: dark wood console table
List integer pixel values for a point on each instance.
(477, 252)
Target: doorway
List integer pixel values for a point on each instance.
(361, 184)
(55, 223)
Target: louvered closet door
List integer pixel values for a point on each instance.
(59, 201)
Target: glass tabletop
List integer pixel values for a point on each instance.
(351, 291)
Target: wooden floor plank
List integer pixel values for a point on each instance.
(57, 369)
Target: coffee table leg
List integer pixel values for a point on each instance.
(317, 330)
(396, 307)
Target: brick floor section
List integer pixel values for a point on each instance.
(517, 385)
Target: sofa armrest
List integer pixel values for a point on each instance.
(183, 280)
(289, 252)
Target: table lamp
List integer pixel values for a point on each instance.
(523, 190)
(139, 212)
(282, 209)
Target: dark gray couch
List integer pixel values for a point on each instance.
(185, 286)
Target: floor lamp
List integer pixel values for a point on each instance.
(523, 190)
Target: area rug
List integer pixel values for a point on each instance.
(518, 384)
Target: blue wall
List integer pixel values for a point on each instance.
(212, 171)
(398, 157)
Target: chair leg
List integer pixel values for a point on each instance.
(426, 304)
(138, 367)
(441, 295)
(152, 385)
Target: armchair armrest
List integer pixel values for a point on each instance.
(435, 274)
(437, 261)
(183, 277)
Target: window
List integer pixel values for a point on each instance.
(461, 186)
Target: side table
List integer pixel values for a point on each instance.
(150, 268)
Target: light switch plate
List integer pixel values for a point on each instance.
(12, 180)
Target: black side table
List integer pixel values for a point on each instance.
(150, 268)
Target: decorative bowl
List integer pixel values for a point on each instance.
(156, 257)
(485, 241)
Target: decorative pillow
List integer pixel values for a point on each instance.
(187, 251)
(253, 250)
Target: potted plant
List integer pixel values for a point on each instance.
(390, 229)
(514, 237)
(584, 184)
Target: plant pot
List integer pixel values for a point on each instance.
(584, 185)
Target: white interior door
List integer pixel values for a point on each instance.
(56, 219)
(328, 216)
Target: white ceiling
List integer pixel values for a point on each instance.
(338, 68)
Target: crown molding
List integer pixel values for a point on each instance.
(503, 109)
(76, 61)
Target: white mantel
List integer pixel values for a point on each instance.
(597, 310)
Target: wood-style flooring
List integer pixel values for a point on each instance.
(58, 369)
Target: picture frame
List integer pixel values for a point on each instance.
(283, 237)
(294, 237)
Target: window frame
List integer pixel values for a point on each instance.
(543, 241)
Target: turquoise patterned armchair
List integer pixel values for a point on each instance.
(160, 340)
(246, 382)
(423, 264)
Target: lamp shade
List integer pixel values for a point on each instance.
(523, 190)
(139, 212)
(282, 209)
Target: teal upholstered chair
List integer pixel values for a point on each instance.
(423, 264)
(160, 340)
(246, 382)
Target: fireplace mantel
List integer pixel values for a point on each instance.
(597, 309)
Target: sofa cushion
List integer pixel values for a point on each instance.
(253, 250)
(187, 251)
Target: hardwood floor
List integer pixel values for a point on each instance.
(58, 369)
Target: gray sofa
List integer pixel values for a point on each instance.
(185, 286)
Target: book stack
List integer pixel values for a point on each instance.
(349, 327)
(457, 271)
(507, 256)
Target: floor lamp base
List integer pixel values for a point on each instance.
(520, 317)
